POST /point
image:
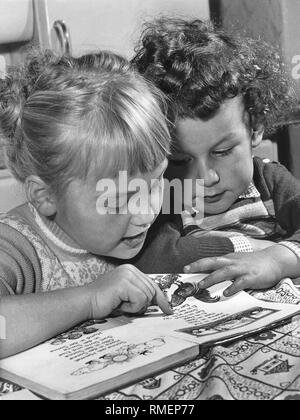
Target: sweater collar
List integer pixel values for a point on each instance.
(251, 192)
(55, 234)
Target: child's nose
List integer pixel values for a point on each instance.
(211, 178)
(207, 174)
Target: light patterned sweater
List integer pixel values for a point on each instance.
(31, 261)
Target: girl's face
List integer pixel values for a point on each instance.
(113, 235)
(219, 152)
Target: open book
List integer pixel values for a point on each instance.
(103, 355)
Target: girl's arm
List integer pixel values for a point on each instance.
(33, 318)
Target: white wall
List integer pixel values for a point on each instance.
(16, 20)
(277, 22)
(109, 24)
(11, 192)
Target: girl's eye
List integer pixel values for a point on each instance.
(115, 203)
(221, 153)
(157, 184)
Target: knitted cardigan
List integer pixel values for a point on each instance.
(30, 262)
(269, 210)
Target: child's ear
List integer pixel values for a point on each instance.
(257, 136)
(40, 196)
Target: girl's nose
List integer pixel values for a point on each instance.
(144, 219)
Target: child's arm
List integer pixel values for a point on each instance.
(285, 193)
(257, 270)
(241, 242)
(267, 267)
(167, 251)
(33, 318)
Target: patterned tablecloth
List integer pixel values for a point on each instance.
(261, 367)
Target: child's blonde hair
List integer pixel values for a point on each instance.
(62, 116)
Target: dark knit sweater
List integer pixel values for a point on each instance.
(273, 215)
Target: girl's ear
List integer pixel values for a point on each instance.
(39, 195)
(257, 136)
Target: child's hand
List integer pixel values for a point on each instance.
(259, 244)
(257, 270)
(125, 290)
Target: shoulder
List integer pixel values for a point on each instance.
(267, 168)
(20, 270)
(270, 176)
(10, 234)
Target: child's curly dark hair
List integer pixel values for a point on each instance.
(199, 67)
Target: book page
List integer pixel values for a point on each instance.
(206, 316)
(102, 355)
(74, 362)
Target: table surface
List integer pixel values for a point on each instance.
(261, 367)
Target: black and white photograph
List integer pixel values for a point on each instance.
(149, 202)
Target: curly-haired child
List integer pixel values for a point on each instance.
(225, 92)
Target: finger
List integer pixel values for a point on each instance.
(148, 282)
(143, 282)
(142, 311)
(153, 292)
(162, 301)
(241, 283)
(134, 299)
(206, 265)
(140, 281)
(115, 313)
(229, 272)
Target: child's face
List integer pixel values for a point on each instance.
(114, 235)
(218, 151)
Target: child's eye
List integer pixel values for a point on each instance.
(222, 153)
(157, 186)
(115, 203)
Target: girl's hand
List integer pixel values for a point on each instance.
(125, 290)
(257, 270)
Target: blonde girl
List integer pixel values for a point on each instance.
(68, 123)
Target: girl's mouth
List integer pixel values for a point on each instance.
(134, 241)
